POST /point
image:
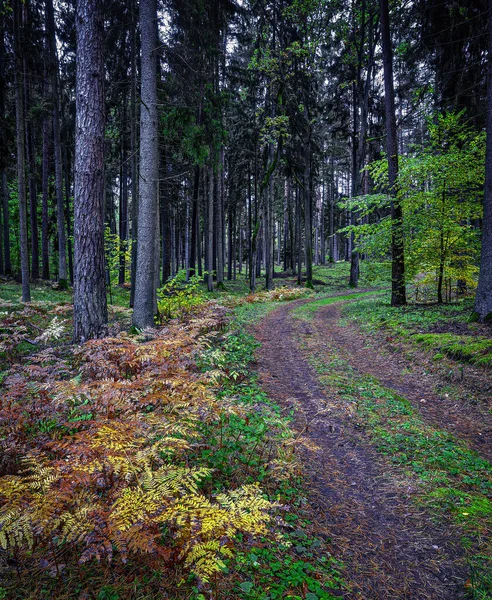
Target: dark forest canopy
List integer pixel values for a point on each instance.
(243, 137)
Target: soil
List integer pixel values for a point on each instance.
(391, 548)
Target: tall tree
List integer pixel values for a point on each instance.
(60, 212)
(483, 301)
(21, 150)
(144, 302)
(90, 309)
(398, 290)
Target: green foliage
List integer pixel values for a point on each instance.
(179, 297)
(115, 249)
(440, 187)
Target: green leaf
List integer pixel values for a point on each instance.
(246, 586)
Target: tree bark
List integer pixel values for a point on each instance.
(21, 157)
(60, 211)
(90, 308)
(398, 291)
(143, 313)
(45, 251)
(483, 300)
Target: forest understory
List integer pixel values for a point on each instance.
(372, 456)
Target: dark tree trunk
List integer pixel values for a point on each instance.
(194, 221)
(398, 291)
(219, 220)
(33, 196)
(6, 223)
(483, 301)
(143, 313)
(3, 148)
(308, 219)
(68, 212)
(60, 209)
(133, 152)
(209, 242)
(45, 250)
(123, 213)
(21, 157)
(90, 308)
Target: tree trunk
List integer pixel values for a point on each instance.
(90, 307)
(45, 250)
(483, 300)
(21, 160)
(68, 212)
(209, 241)
(143, 313)
(133, 152)
(398, 291)
(123, 214)
(6, 223)
(60, 211)
(308, 219)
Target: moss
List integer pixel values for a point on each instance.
(468, 348)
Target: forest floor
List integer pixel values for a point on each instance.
(396, 464)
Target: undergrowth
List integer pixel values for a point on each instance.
(152, 466)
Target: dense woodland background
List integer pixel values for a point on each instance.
(242, 138)
(172, 173)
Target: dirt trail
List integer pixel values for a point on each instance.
(472, 423)
(391, 549)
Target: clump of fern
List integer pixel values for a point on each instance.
(99, 457)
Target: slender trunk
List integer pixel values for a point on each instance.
(398, 291)
(21, 160)
(33, 195)
(308, 220)
(45, 255)
(3, 148)
(89, 300)
(133, 152)
(219, 222)
(143, 313)
(194, 221)
(123, 213)
(60, 211)
(209, 242)
(165, 227)
(6, 223)
(68, 212)
(483, 301)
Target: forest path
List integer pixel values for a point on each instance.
(391, 548)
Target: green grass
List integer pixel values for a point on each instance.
(11, 292)
(416, 324)
(307, 311)
(473, 349)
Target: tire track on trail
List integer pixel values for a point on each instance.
(391, 549)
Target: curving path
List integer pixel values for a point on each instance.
(391, 549)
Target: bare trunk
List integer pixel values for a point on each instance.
(483, 301)
(60, 212)
(143, 313)
(90, 306)
(21, 160)
(398, 291)
(45, 202)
